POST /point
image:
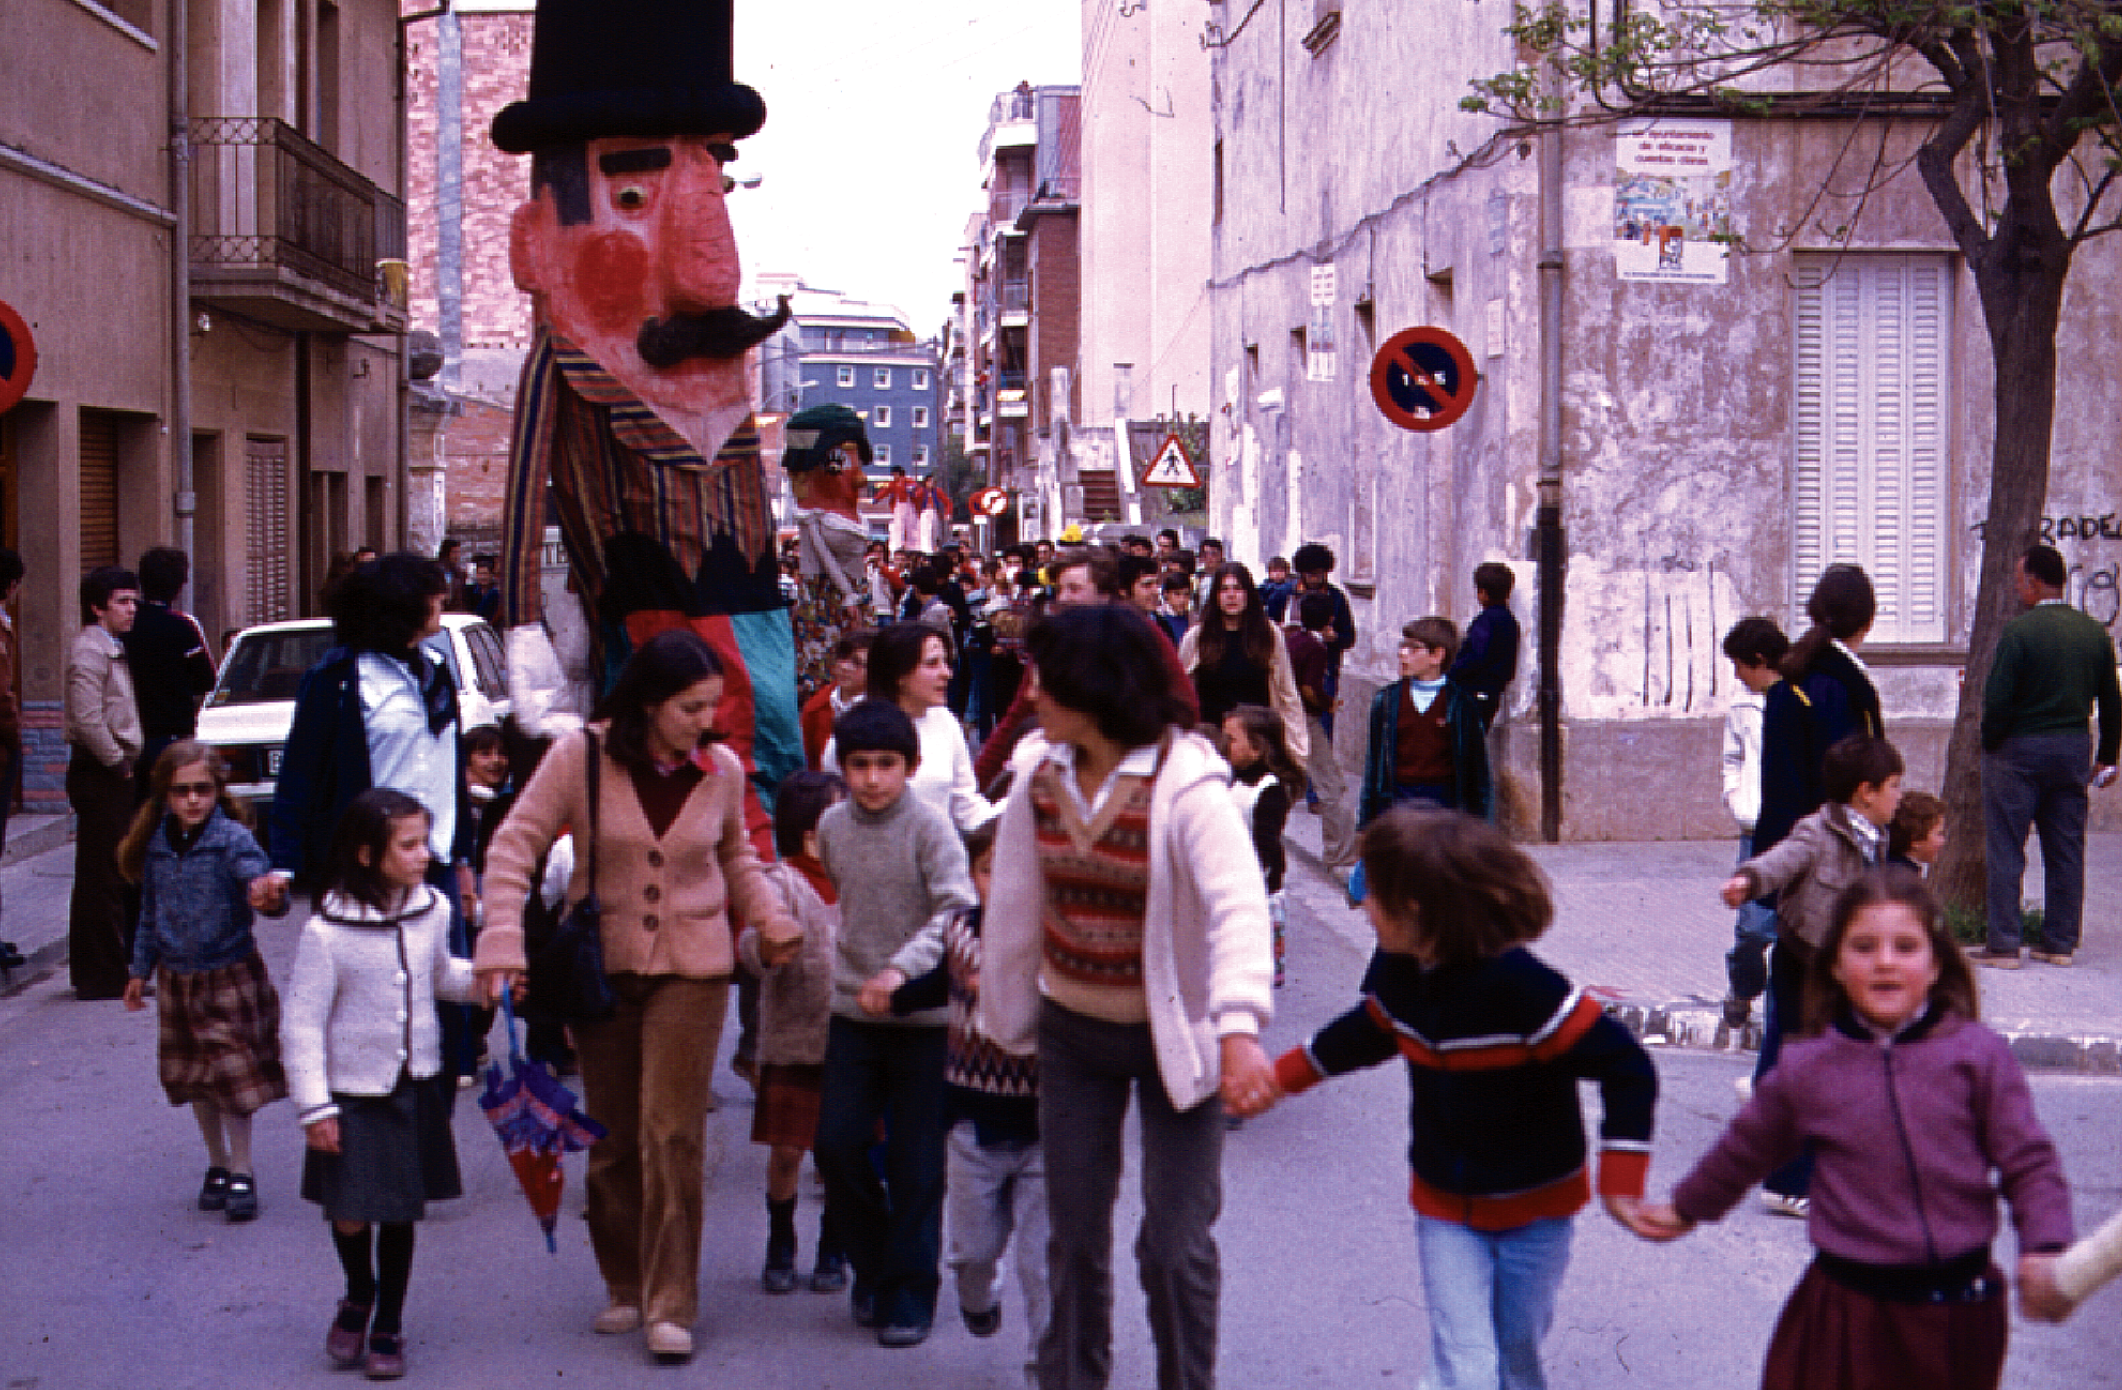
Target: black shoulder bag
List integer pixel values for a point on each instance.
(565, 950)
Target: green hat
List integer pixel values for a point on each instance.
(813, 435)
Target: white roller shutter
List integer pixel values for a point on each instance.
(1869, 485)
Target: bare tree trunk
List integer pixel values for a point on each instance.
(2021, 287)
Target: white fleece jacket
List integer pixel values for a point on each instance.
(1207, 953)
(360, 1004)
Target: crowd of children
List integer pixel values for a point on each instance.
(1883, 1111)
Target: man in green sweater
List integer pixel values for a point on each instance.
(2053, 665)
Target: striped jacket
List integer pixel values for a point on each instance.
(1494, 1052)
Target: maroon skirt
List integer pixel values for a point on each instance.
(220, 1036)
(1834, 1337)
(786, 1113)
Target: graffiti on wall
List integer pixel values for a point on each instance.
(2095, 583)
(1644, 641)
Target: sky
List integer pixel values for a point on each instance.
(869, 159)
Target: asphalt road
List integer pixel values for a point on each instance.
(108, 1278)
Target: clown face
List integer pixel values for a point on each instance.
(627, 250)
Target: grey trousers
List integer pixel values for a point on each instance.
(1087, 1068)
(2038, 781)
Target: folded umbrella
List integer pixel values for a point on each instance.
(537, 1120)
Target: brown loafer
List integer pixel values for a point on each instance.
(386, 1358)
(1995, 960)
(343, 1344)
(2061, 958)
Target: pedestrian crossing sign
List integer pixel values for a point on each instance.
(1172, 467)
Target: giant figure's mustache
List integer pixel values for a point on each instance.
(717, 333)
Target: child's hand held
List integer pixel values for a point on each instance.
(1655, 1221)
(1734, 890)
(2039, 1298)
(1248, 1086)
(135, 995)
(876, 995)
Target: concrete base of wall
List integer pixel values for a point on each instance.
(1644, 779)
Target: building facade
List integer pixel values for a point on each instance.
(1721, 424)
(269, 240)
(1022, 304)
(847, 351)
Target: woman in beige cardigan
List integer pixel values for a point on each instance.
(1236, 656)
(672, 859)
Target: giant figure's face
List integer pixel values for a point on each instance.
(627, 248)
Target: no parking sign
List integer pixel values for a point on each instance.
(1423, 379)
(18, 357)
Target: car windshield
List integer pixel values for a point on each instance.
(268, 666)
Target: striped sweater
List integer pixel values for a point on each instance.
(1494, 1051)
(996, 1089)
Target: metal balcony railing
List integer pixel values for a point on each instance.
(267, 203)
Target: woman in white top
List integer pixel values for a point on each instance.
(909, 666)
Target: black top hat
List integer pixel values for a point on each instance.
(605, 69)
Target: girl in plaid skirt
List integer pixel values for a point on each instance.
(201, 876)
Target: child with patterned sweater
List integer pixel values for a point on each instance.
(997, 1167)
(1495, 1043)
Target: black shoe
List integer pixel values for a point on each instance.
(831, 1274)
(1737, 1011)
(985, 1324)
(779, 1276)
(213, 1193)
(242, 1197)
(905, 1334)
(863, 1303)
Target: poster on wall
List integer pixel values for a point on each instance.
(1319, 355)
(1363, 532)
(1672, 200)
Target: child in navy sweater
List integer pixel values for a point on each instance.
(1495, 1044)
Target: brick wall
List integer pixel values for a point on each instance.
(496, 315)
(44, 755)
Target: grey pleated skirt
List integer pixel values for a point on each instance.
(396, 1155)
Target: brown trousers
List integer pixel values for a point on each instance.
(99, 937)
(645, 1077)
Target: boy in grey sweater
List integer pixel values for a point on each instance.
(901, 874)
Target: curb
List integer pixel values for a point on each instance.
(1699, 1023)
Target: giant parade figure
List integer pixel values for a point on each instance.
(634, 429)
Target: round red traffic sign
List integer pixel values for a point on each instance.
(1423, 379)
(991, 501)
(18, 357)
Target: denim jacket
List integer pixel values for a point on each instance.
(195, 912)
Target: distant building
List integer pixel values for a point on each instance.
(1021, 311)
(851, 352)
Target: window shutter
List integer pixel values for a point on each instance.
(99, 489)
(1868, 478)
(265, 530)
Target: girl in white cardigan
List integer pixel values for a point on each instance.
(364, 1063)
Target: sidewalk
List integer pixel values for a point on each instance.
(36, 881)
(1639, 924)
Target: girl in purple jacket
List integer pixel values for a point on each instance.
(1909, 1104)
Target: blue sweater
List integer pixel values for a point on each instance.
(195, 912)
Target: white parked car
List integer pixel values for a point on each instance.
(253, 701)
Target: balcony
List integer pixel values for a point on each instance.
(284, 233)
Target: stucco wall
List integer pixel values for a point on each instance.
(1676, 401)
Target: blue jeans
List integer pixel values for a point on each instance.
(1491, 1300)
(1785, 1015)
(2036, 781)
(1746, 964)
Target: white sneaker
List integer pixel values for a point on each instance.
(1776, 1204)
(1745, 1087)
(617, 1318)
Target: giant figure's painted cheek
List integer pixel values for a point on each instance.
(611, 275)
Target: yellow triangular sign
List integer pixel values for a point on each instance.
(1172, 467)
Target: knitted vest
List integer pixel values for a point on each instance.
(1097, 891)
(1424, 749)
